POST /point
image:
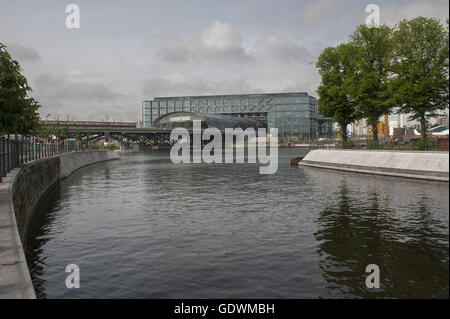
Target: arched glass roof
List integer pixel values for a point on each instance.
(219, 121)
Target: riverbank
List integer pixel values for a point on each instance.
(20, 192)
(417, 165)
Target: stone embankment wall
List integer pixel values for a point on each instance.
(418, 165)
(20, 192)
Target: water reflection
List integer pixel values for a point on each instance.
(38, 234)
(410, 247)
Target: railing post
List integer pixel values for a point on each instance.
(25, 150)
(29, 148)
(2, 158)
(16, 151)
(21, 150)
(8, 156)
(13, 153)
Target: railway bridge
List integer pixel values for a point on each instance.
(127, 133)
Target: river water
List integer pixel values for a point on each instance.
(143, 227)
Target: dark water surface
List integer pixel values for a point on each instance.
(142, 227)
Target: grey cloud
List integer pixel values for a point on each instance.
(66, 86)
(82, 96)
(180, 85)
(175, 51)
(23, 53)
(394, 13)
(175, 84)
(319, 11)
(220, 42)
(284, 49)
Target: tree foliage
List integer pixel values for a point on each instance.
(420, 87)
(18, 112)
(407, 69)
(337, 68)
(370, 88)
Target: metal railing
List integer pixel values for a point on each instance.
(19, 150)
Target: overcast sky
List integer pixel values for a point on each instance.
(127, 51)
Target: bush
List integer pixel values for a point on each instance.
(420, 144)
(371, 145)
(348, 144)
(111, 146)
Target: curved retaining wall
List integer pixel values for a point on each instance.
(19, 194)
(418, 165)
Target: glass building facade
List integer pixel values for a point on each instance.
(294, 114)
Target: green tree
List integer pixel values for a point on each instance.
(370, 88)
(18, 112)
(420, 87)
(337, 68)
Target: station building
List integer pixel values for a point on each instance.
(294, 114)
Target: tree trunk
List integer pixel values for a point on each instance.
(423, 126)
(343, 132)
(375, 131)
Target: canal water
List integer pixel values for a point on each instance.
(142, 227)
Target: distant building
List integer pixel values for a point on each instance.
(294, 114)
(392, 125)
(359, 129)
(443, 121)
(398, 133)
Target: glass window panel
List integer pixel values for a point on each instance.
(170, 103)
(279, 115)
(253, 101)
(227, 102)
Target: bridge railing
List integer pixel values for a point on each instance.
(19, 150)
